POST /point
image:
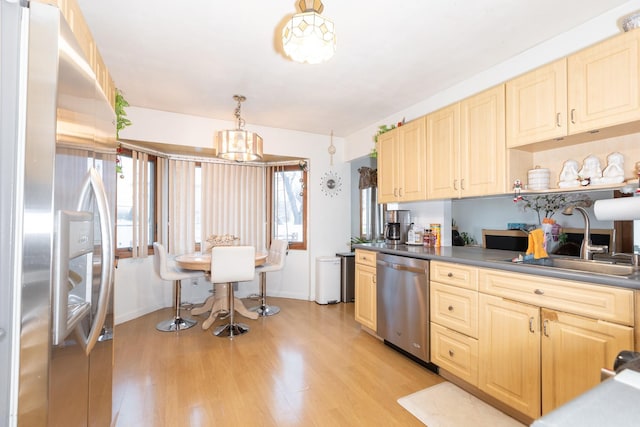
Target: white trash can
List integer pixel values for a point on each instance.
(327, 280)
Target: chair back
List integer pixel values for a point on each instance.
(232, 263)
(160, 260)
(277, 255)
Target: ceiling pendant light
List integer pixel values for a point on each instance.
(238, 144)
(308, 36)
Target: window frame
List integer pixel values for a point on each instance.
(271, 203)
(122, 253)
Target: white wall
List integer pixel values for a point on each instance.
(361, 142)
(139, 290)
(329, 218)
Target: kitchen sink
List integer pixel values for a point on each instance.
(590, 266)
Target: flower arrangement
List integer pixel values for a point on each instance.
(220, 240)
(549, 204)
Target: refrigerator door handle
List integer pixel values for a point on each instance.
(93, 185)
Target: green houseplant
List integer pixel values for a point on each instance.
(121, 123)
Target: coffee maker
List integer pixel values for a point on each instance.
(396, 226)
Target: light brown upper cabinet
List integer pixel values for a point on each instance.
(401, 163)
(466, 152)
(603, 84)
(537, 105)
(596, 88)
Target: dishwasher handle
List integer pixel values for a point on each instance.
(401, 267)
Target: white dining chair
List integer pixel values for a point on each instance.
(166, 271)
(232, 264)
(275, 262)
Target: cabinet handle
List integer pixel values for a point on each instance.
(558, 119)
(538, 292)
(545, 325)
(373, 279)
(451, 353)
(531, 319)
(395, 192)
(400, 192)
(450, 308)
(462, 184)
(455, 184)
(573, 113)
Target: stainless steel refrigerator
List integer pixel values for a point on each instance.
(58, 202)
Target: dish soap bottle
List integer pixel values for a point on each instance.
(411, 235)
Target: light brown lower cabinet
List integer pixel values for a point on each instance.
(574, 349)
(535, 359)
(509, 347)
(365, 289)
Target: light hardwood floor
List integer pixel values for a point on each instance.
(309, 365)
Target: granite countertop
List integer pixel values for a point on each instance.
(499, 259)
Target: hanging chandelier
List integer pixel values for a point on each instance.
(308, 36)
(239, 144)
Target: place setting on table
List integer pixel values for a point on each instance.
(222, 300)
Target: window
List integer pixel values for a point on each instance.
(124, 205)
(289, 204)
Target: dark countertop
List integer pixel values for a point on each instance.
(499, 259)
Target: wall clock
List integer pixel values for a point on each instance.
(331, 184)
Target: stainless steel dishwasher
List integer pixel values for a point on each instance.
(403, 303)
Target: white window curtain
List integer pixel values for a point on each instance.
(182, 237)
(140, 208)
(234, 202)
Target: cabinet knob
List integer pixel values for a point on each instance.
(450, 308)
(451, 353)
(538, 292)
(449, 274)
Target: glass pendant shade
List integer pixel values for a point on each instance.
(239, 145)
(309, 37)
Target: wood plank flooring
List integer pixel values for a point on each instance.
(309, 365)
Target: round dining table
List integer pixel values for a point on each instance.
(202, 261)
(215, 303)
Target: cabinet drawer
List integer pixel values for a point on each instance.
(455, 308)
(595, 301)
(463, 276)
(455, 353)
(366, 257)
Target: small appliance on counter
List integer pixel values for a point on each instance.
(396, 227)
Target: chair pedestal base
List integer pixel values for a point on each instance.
(231, 330)
(176, 324)
(266, 310)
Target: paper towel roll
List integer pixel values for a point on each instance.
(622, 209)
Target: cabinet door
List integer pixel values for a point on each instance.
(574, 349)
(365, 296)
(509, 360)
(411, 167)
(387, 164)
(603, 84)
(536, 105)
(443, 144)
(482, 144)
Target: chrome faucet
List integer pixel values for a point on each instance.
(587, 249)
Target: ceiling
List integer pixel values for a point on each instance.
(192, 57)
